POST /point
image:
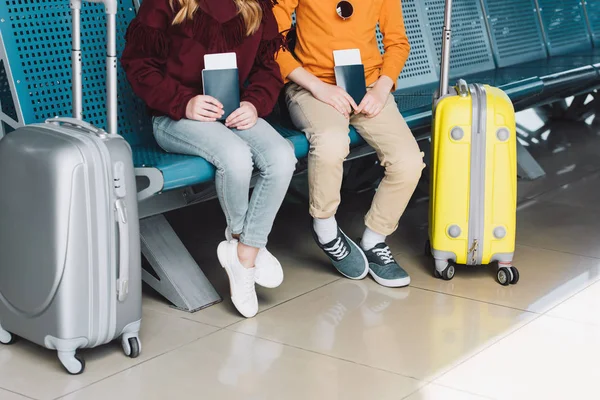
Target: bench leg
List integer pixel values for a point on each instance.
(178, 278)
(528, 167)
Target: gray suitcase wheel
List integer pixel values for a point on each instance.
(131, 346)
(73, 363)
(7, 338)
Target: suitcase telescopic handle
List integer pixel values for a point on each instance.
(446, 45)
(111, 7)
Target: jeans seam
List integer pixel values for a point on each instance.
(213, 161)
(250, 213)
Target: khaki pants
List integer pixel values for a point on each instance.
(327, 131)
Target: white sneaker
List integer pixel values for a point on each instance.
(269, 273)
(241, 280)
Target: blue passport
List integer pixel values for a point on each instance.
(223, 85)
(351, 78)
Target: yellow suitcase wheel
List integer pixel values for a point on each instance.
(444, 270)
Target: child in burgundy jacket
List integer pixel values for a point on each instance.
(163, 60)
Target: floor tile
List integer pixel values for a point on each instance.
(6, 395)
(547, 278)
(300, 277)
(229, 366)
(36, 372)
(567, 151)
(583, 307)
(304, 265)
(559, 227)
(410, 331)
(584, 192)
(550, 359)
(438, 392)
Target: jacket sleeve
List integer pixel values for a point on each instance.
(144, 60)
(265, 81)
(395, 40)
(283, 11)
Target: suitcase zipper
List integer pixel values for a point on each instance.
(109, 333)
(477, 190)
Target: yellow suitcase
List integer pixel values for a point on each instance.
(472, 216)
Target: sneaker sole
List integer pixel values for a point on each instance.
(222, 256)
(268, 286)
(391, 283)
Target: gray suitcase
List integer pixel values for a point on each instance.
(70, 262)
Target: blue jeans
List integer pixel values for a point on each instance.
(235, 154)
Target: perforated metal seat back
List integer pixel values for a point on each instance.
(593, 14)
(420, 68)
(564, 25)
(36, 45)
(515, 31)
(471, 49)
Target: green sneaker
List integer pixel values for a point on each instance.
(384, 269)
(346, 256)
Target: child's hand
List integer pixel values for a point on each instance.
(336, 97)
(243, 118)
(376, 98)
(204, 109)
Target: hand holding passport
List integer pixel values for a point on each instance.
(220, 80)
(350, 73)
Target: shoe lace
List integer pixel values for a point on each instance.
(338, 250)
(248, 283)
(385, 255)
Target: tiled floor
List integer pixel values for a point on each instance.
(322, 337)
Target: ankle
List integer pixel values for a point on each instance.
(247, 255)
(326, 229)
(371, 239)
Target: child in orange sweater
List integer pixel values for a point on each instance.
(324, 112)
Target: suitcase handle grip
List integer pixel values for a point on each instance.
(110, 5)
(123, 280)
(78, 124)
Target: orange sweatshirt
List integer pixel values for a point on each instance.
(320, 31)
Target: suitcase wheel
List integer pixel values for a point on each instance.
(73, 363)
(7, 338)
(515, 274)
(131, 346)
(447, 273)
(508, 275)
